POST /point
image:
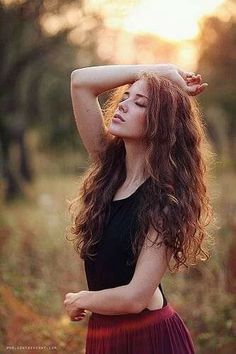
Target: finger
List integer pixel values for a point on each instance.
(80, 313)
(202, 88)
(194, 77)
(194, 80)
(199, 78)
(189, 74)
(77, 318)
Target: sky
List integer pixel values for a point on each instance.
(177, 22)
(173, 20)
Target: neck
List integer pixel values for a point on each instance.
(135, 162)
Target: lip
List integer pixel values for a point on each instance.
(119, 117)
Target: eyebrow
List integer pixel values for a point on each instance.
(137, 94)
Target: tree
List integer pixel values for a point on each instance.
(217, 46)
(32, 57)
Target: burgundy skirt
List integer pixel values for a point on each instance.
(160, 331)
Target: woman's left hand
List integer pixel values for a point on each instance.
(188, 81)
(71, 302)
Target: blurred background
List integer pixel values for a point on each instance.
(42, 157)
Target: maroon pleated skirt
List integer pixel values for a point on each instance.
(160, 331)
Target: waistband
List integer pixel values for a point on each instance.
(144, 317)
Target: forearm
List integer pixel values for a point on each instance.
(102, 78)
(114, 301)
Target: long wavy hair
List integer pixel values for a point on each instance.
(178, 159)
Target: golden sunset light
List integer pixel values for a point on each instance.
(83, 165)
(176, 22)
(170, 19)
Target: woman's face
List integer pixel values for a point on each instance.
(132, 108)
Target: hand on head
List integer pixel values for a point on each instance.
(188, 81)
(192, 83)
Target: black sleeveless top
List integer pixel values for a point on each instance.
(110, 267)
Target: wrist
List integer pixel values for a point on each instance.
(82, 297)
(167, 69)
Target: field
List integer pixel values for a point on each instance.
(39, 266)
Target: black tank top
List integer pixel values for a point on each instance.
(110, 267)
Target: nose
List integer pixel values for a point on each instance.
(122, 106)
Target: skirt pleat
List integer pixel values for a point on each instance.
(160, 331)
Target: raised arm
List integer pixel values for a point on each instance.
(89, 82)
(99, 79)
(86, 84)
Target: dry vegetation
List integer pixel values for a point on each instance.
(39, 266)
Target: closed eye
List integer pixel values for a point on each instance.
(138, 104)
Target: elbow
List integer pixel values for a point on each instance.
(81, 80)
(135, 305)
(75, 78)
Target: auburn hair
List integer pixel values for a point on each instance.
(178, 158)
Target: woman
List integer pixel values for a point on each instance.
(142, 203)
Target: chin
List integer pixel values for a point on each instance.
(115, 132)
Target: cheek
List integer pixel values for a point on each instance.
(139, 123)
(143, 120)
